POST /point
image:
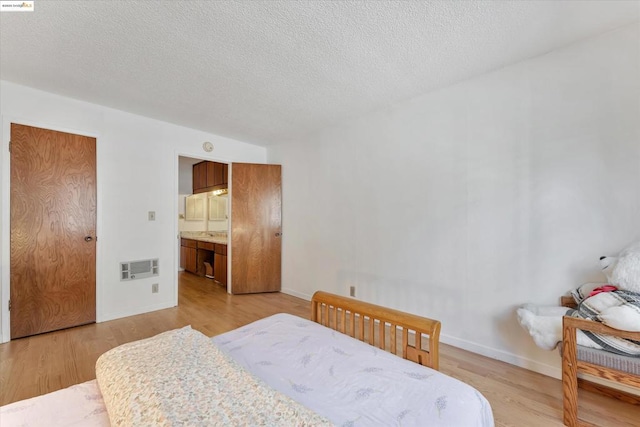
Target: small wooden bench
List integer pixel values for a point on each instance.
(598, 363)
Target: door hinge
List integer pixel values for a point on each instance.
(9, 146)
(9, 305)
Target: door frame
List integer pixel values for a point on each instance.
(176, 225)
(5, 230)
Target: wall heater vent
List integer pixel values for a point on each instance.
(132, 270)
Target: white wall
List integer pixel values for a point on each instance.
(137, 169)
(468, 201)
(219, 225)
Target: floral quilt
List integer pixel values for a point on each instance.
(181, 378)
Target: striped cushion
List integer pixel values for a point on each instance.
(627, 364)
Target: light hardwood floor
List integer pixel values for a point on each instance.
(44, 363)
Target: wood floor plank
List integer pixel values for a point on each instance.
(45, 363)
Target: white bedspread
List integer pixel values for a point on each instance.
(78, 405)
(349, 382)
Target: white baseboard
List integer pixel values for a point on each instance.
(296, 294)
(525, 363)
(133, 312)
(504, 356)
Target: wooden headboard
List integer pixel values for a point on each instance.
(380, 326)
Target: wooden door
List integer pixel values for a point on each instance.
(188, 255)
(183, 257)
(220, 264)
(191, 264)
(223, 278)
(256, 227)
(53, 230)
(220, 268)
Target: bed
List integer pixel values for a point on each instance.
(353, 364)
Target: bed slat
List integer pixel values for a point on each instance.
(372, 331)
(405, 342)
(326, 315)
(353, 325)
(393, 338)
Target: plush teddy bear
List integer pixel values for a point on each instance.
(616, 304)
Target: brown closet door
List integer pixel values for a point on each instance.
(256, 226)
(53, 223)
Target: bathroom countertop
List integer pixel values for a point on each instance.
(205, 236)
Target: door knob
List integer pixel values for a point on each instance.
(88, 239)
(278, 234)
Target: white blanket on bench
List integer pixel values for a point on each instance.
(618, 309)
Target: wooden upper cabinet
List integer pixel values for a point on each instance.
(211, 174)
(199, 176)
(215, 172)
(208, 176)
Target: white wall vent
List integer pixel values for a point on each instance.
(138, 269)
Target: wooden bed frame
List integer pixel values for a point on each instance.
(379, 326)
(571, 366)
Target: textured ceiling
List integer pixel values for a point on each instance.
(271, 71)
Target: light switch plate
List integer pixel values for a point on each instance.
(152, 215)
